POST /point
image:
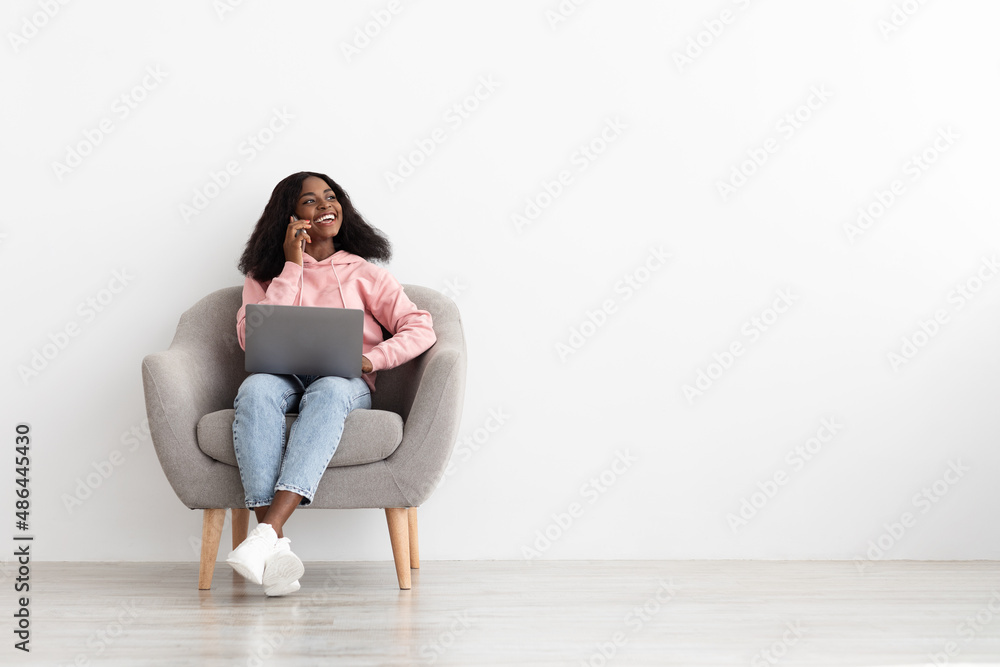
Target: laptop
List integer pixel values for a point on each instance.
(304, 340)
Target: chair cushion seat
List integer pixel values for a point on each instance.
(369, 436)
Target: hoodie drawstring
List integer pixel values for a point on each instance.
(302, 284)
(342, 299)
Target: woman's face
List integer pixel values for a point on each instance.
(318, 203)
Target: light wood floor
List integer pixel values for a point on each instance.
(517, 613)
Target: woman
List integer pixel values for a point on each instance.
(331, 269)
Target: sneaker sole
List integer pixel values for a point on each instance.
(281, 570)
(277, 592)
(244, 571)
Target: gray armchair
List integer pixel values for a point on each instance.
(390, 457)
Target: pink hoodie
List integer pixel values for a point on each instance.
(344, 280)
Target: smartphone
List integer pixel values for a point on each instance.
(299, 231)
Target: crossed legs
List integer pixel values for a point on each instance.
(277, 476)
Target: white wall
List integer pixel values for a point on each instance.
(677, 131)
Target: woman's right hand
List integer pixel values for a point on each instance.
(293, 244)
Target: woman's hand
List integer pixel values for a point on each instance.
(366, 365)
(293, 244)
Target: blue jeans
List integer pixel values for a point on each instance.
(266, 463)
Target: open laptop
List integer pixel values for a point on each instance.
(304, 340)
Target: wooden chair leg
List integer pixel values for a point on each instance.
(241, 522)
(414, 548)
(399, 531)
(211, 532)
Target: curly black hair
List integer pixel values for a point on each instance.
(264, 255)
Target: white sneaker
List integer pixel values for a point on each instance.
(248, 559)
(282, 570)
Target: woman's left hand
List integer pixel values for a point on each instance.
(366, 366)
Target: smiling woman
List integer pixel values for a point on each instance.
(310, 235)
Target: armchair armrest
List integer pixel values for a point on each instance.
(180, 386)
(431, 427)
